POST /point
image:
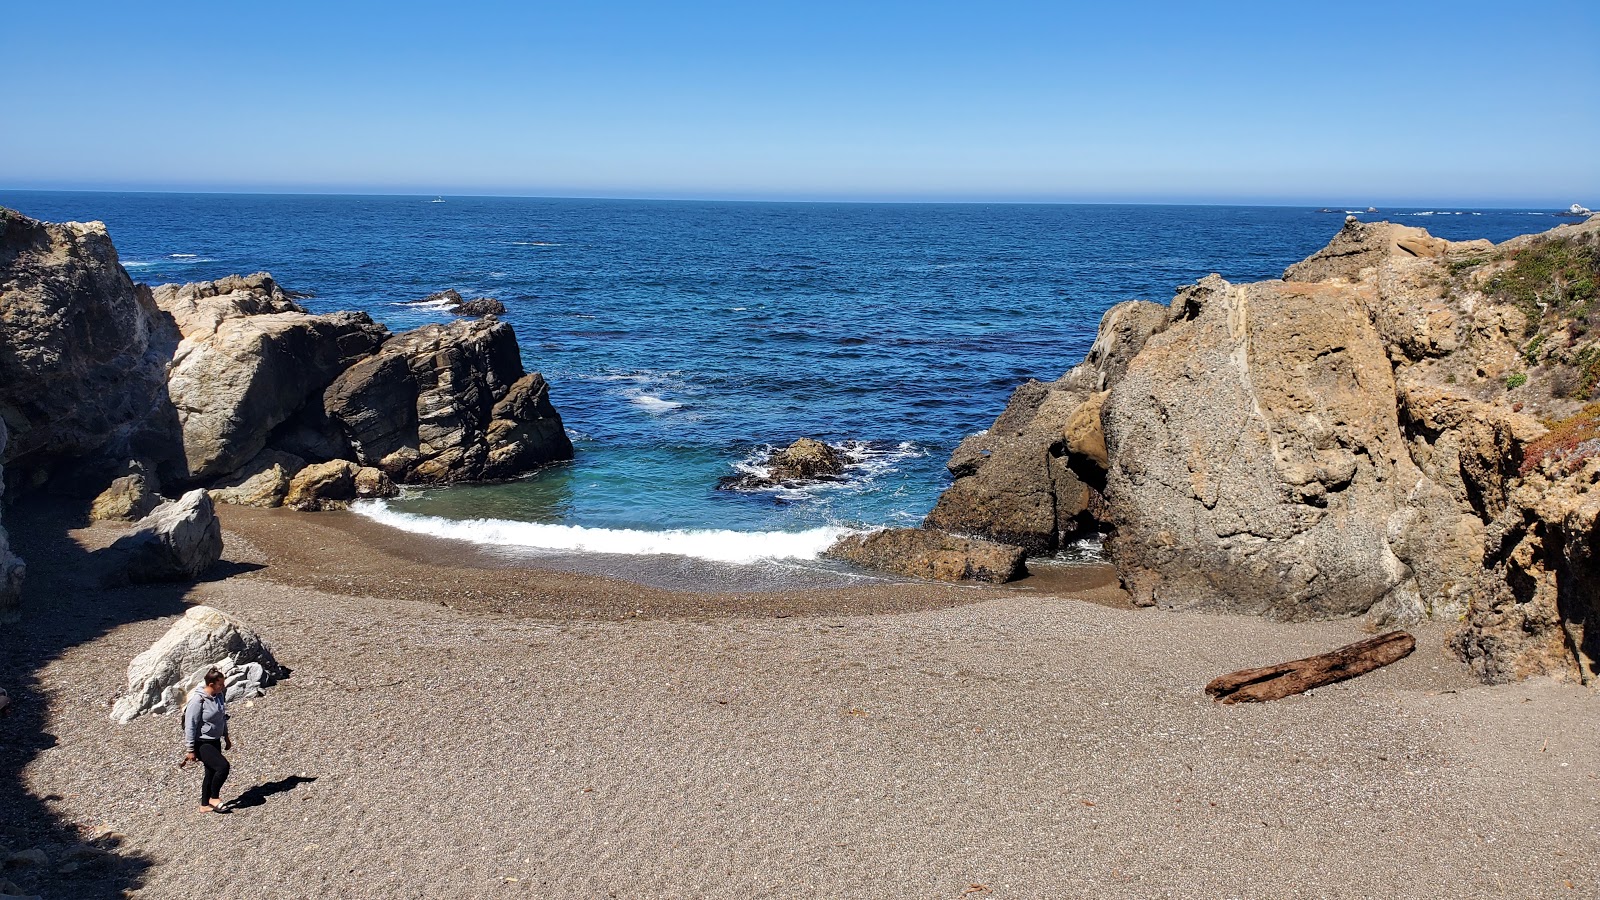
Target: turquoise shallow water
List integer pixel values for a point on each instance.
(682, 338)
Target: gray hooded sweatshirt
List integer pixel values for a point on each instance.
(205, 718)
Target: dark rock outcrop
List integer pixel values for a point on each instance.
(1016, 482)
(935, 555)
(448, 403)
(451, 300)
(806, 461)
(83, 352)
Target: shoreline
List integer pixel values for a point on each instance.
(891, 740)
(347, 553)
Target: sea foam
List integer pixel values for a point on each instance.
(717, 545)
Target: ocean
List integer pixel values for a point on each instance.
(684, 340)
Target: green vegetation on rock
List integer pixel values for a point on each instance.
(1553, 277)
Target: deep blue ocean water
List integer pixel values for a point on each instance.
(682, 338)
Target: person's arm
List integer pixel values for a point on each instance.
(227, 742)
(191, 725)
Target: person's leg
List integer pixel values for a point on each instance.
(216, 772)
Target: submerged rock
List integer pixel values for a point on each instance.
(450, 299)
(449, 403)
(803, 462)
(935, 555)
(160, 678)
(177, 541)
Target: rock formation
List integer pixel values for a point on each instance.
(936, 555)
(449, 403)
(805, 461)
(250, 359)
(450, 299)
(1371, 435)
(177, 541)
(160, 678)
(83, 352)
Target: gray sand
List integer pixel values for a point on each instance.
(1022, 745)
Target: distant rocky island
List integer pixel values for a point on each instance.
(1401, 428)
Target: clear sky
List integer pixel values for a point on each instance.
(1413, 103)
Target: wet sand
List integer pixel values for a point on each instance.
(459, 727)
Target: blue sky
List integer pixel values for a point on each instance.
(1337, 103)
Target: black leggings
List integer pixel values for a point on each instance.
(210, 754)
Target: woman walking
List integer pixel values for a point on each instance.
(205, 731)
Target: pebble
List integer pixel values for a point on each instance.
(32, 856)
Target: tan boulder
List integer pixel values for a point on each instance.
(934, 555)
(1084, 434)
(127, 499)
(323, 486)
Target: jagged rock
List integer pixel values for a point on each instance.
(128, 498)
(936, 555)
(5, 702)
(448, 403)
(1014, 482)
(481, 306)
(250, 359)
(83, 351)
(12, 568)
(159, 679)
(807, 460)
(1364, 245)
(323, 486)
(1085, 436)
(1536, 609)
(451, 299)
(262, 482)
(177, 541)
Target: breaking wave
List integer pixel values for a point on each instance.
(717, 545)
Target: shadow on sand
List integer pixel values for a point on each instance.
(257, 796)
(63, 606)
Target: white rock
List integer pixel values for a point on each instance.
(159, 679)
(176, 542)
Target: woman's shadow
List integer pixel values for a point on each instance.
(257, 796)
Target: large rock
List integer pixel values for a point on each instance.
(323, 486)
(1365, 246)
(441, 404)
(1015, 483)
(805, 461)
(83, 351)
(1256, 462)
(262, 482)
(249, 361)
(935, 555)
(178, 541)
(159, 679)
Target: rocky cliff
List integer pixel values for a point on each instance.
(1398, 429)
(110, 387)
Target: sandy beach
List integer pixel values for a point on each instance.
(458, 727)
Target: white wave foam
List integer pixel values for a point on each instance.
(717, 545)
(171, 259)
(532, 244)
(135, 264)
(435, 305)
(653, 403)
(183, 256)
(864, 465)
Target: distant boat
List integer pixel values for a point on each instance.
(1372, 209)
(1577, 211)
(437, 200)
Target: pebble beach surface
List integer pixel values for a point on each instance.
(458, 727)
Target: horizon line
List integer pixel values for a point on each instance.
(767, 199)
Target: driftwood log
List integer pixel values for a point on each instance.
(1301, 675)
